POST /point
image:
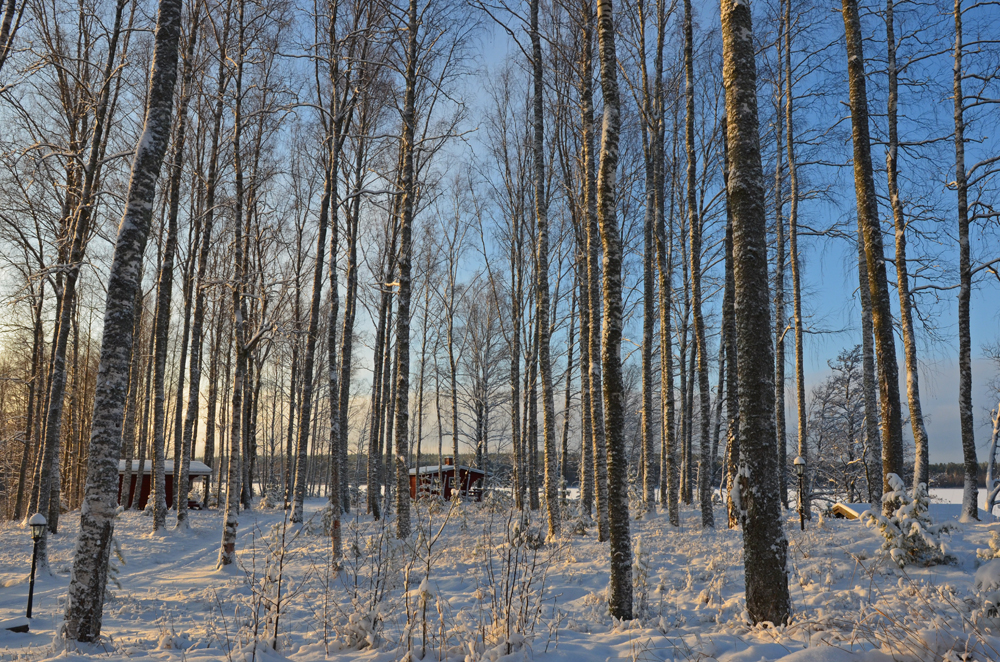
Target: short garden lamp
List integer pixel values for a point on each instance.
(800, 469)
(37, 524)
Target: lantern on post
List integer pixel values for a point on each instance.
(800, 469)
(37, 523)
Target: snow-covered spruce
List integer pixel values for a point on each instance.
(911, 536)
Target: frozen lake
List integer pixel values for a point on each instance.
(954, 495)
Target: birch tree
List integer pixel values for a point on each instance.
(620, 590)
(89, 576)
(765, 548)
(869, 229)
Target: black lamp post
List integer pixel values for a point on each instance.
(37, 524)
(800, 469)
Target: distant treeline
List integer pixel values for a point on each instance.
(951, 474)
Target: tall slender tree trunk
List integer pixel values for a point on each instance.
(34, 390)
(531, 418)
(234, 474)
(793, 257)
(668, 465)
(200, 292)
(182, 442)
(587, 430)
(144, 426)
(409, 190)
(79, 233)
(732, 358)
(765, 548)
(388, 404)
(869, 379)
(922, 458)
(375, 435)
(89, 575)
(779, 288)
(620, 589)
(542, 279)
(161, 337)
(970, 496)
(132, 401)
(694, 223)
(336, 476)
(210, 406)
(871, 231)
(350, 310)
(649, 133)
(515, 363)
(312, 336)
(591, 202)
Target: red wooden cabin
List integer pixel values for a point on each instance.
(196, 470)
(469, 480)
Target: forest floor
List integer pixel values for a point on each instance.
(494, 592)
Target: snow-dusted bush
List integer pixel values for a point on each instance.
(636, 503)
(994, 550)
(497, 501)
(264, 565)
(274, 494)
(640, 580)
(369, 572)
(911, 536)
(514, 565)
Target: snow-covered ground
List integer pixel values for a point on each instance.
(494, 593)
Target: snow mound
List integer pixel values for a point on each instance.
(988, 576)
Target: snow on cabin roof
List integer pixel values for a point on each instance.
(937, 511)
(433, 469)
(196, 469)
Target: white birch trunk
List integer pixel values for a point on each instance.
(88, 579)
(765, 548)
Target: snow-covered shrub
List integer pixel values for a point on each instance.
(369, 573)
(994, 550)
(265, 569)
(497, 502)
(640, 580)
(636, 503)
(360, 630)
(274, 494)
(514, 564)
(578, 527)
(911, 536)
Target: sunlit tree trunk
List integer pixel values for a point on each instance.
(542, 278)
(88, 579)
(871, 231)
(793, 256)
(971, 494)
(593, 274)
(408, 192)
(200, 294)
(779, 288)
(620, 588)
(694, 227)
(764, 545)
(922, 458)
(234, 477)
